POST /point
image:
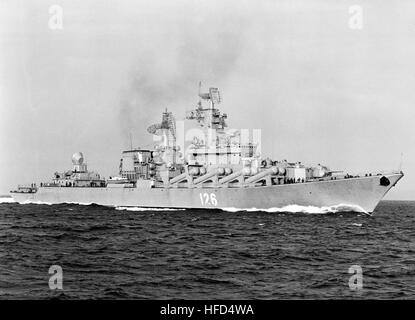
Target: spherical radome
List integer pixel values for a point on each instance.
(77, 158)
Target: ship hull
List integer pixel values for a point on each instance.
(364, 193)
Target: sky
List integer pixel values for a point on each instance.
(325, 82)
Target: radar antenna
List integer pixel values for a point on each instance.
(213, 96)
(401, 162)
(168, 123)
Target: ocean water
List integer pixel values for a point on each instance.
(115, 253)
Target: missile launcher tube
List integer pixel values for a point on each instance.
(205, 177)
(230, 177)
(262, 174)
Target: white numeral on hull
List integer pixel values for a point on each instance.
(208, 199)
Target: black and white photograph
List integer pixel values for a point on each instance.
(211, 151)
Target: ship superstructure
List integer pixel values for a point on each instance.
(216, 169)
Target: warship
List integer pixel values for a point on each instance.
(216, 170)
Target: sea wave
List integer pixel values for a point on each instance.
(148, 209)
(50, 203)
(6, 200)
(93, 204)
(294, 208)
(36, 202)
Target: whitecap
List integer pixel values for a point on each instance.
(6, 200)
(294, 208)
(36, 202)
(80, 203)
(148, 209)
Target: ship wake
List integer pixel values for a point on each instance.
(294, 208)
(148, 209)
(7, 200)
(94, 204)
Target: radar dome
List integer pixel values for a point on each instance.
(78, 158)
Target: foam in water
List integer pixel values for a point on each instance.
(81, 203)
(148, 209)
(6, 200)
(36, 202)
(294, 208)
(50, 204)
(91, 203)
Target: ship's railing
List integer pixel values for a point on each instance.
(26, 188)
(49, 184)
(57, 185)
(362, 174)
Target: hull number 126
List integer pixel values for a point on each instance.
(207, 199)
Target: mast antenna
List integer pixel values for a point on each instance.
(401, 162)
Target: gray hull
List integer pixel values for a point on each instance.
(363, 192)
